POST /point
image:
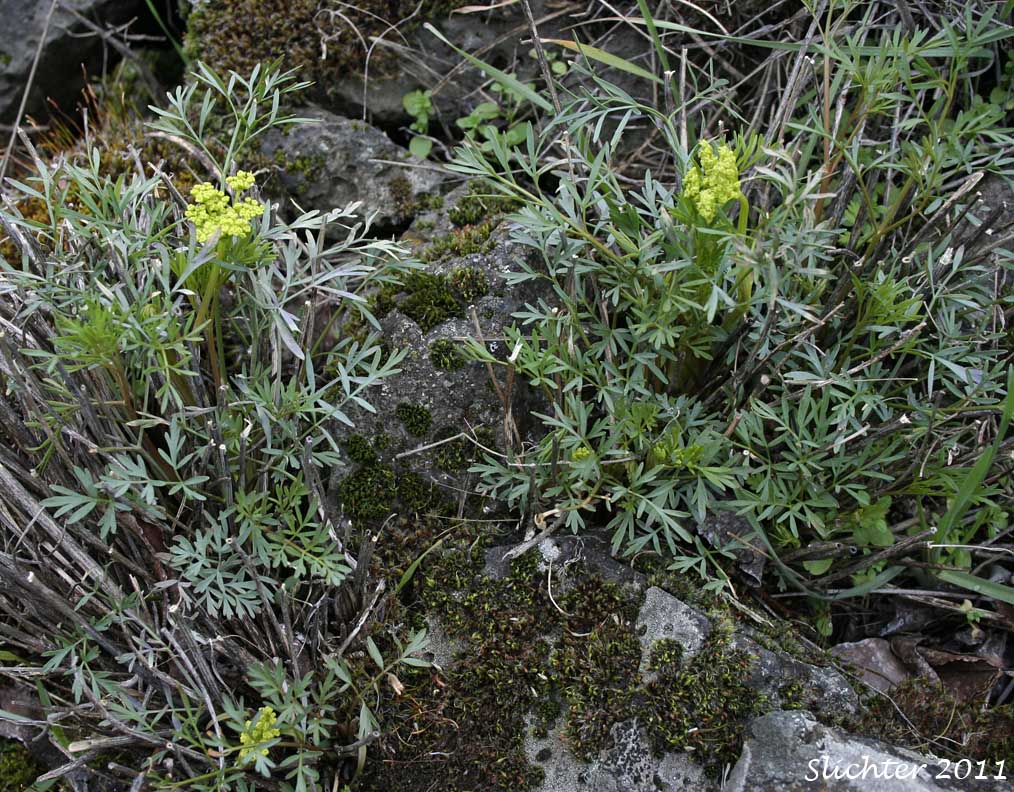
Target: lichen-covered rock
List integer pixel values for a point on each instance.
(628, 766)
(334, 161)
(793, 752)
(69, 44)
(442, 412)
(783, 679)
(775, 675)
(663, 617)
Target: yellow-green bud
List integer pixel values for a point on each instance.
(256, 734)
(714, 182)
(211, 211)
(580, 453)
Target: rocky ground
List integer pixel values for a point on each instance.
(563, 669)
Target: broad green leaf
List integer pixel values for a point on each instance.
(420, 147)
(986, 588)
(818, 567)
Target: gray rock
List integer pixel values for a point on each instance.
(820, 688)
(463, 406)
(336, 161)
(663, 617)
(823, 689)
(792, 752)
(67, 46)
(628, 766)
(441, 646)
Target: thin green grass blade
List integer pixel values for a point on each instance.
(649, 22)
(165, 29)
(605, 58)
(508, 80)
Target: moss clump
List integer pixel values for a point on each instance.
(701, 705)
(475, 207)
(416, 418)
(598, 673)
(461, 242)
(305, 168)
(416, 494)
(360, 450)
(445, 356)
(430, 300)
(400, 189)
(238, 34)
(466, 732)
(369, 492)
(924, 716)
(375, 489)
(405, 200)
(18, 770)
(469, 283)
(455, 455)
(792, 696)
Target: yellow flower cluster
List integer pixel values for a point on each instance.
(211, 211)
(260, 733)
(715, 182)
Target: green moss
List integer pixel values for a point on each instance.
(792, 696)
(467, 733)
(701, 705)
(5, 59)
(475, 207)
(445, 356)
(430, 300)
(469, 283)
(461, 242)
(416, 494)
(453, 456)
(369, 492)
(597, 672)
(360, 450)
(304, 167)
(238, 34)
(375, 489)
(416, 418)
(18, 770)
(400, 189)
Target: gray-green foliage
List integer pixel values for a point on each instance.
(171, 412)
(807, 366)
